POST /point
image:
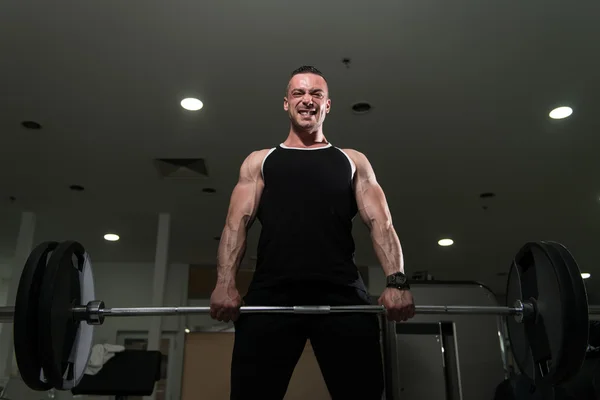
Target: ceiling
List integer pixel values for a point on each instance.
(460, 92)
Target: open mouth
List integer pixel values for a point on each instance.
(307, 112)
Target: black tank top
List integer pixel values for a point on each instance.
(306, 212)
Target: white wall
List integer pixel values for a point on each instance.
(5, 274)
(376, 281)
(4, 285)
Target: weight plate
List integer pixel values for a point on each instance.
(519, 347)
(575, 343)
(544, 275)
(82, 349)
(25, 321)
(58, 330)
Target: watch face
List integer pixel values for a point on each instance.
(397, 279)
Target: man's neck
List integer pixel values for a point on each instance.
(305, 139)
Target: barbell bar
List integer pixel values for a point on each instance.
(90, 313)
(55, 312)
(95, 312)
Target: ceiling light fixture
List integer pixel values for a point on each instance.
(445, 242)
(111, 237)
(361, 108)
(561, 112)
(191, 104)
(31, 125)
(585, 275)
(187, 330)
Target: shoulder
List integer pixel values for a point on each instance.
(252, 164)
(362, 163)
(256, 157)
(357, 157)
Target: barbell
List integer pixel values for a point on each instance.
(55, 311)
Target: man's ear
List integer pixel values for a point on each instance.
(328, 105)
(286, 105)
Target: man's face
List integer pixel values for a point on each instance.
(307, 101)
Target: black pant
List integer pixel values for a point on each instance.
(268, 346)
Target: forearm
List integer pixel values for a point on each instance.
(230, 254)
(387, 248)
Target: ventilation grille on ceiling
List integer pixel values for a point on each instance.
(181, 168)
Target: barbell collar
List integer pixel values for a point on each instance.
(93, 315)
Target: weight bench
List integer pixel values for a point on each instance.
(128, 373)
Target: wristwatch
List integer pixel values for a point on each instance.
(398, 281)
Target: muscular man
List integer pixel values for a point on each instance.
(305, 192)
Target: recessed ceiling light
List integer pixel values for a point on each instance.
(446, 242)
(561, 112)
(31, 125)
(585, 275)
(77, 188)
(111, 237)
(187, 330)
(361, 108)
(191, 104)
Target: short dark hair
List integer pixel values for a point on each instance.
(305, 69)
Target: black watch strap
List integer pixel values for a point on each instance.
(398, 281)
